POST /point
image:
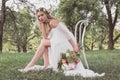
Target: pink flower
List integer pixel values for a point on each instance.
(64, 61)
(77, 61)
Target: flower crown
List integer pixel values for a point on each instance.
(42, 9)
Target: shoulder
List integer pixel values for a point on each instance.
(54, 22)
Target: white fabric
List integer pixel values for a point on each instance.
(34, 68)
(63, 29)
(80, 70)
(59, 44)
(59, 37)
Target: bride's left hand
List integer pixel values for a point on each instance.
(76, 49)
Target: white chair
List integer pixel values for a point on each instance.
(80, 29)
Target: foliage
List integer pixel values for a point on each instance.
(71, 11)
(19, 31)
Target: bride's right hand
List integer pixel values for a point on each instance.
(41, 23)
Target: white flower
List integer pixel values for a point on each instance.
(67, 54)
(69, 66)
(65, 67)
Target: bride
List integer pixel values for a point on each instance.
(56, 40)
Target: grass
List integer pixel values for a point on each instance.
(99, 61)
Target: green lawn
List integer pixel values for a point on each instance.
(99, 61)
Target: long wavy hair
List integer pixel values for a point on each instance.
(45, 28)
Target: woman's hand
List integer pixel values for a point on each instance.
(74, 45)
(41, 23)
(76, 49)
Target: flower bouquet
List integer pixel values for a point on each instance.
(68, 60)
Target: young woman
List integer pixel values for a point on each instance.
(54, 36)
(56, 39)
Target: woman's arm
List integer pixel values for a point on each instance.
(74, 45)
(62, 27)
(69, 36)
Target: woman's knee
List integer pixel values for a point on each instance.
(45, 42)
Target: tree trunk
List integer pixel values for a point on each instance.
(1, 35)
(18, 47)
(24, 48)
(2, 21)
(111, 24)
(110, 41)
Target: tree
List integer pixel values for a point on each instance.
(3, 15)
(2, 21)
(109, 4)
(72, 11)
(18, 28)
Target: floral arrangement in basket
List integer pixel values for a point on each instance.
(68, 60)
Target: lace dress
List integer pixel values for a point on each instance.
(59, 38)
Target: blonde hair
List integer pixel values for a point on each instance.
(45, 28)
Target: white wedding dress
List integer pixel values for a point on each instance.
(59, 38)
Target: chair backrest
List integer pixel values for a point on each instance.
(80, 29)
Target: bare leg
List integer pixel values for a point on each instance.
(41, 49)
(46, 57)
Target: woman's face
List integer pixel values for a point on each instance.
(42, 16)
